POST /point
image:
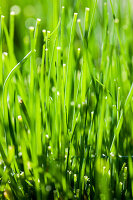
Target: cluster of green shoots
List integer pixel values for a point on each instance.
(66, 122)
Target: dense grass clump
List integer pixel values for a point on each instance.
(66, 100)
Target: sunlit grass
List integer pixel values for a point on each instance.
(66, 122)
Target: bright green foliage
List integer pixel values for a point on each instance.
(66, 109)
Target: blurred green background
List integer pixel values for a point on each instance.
(50, 11)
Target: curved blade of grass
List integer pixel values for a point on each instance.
(53, 32)
(5, 87)
(13, 71)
